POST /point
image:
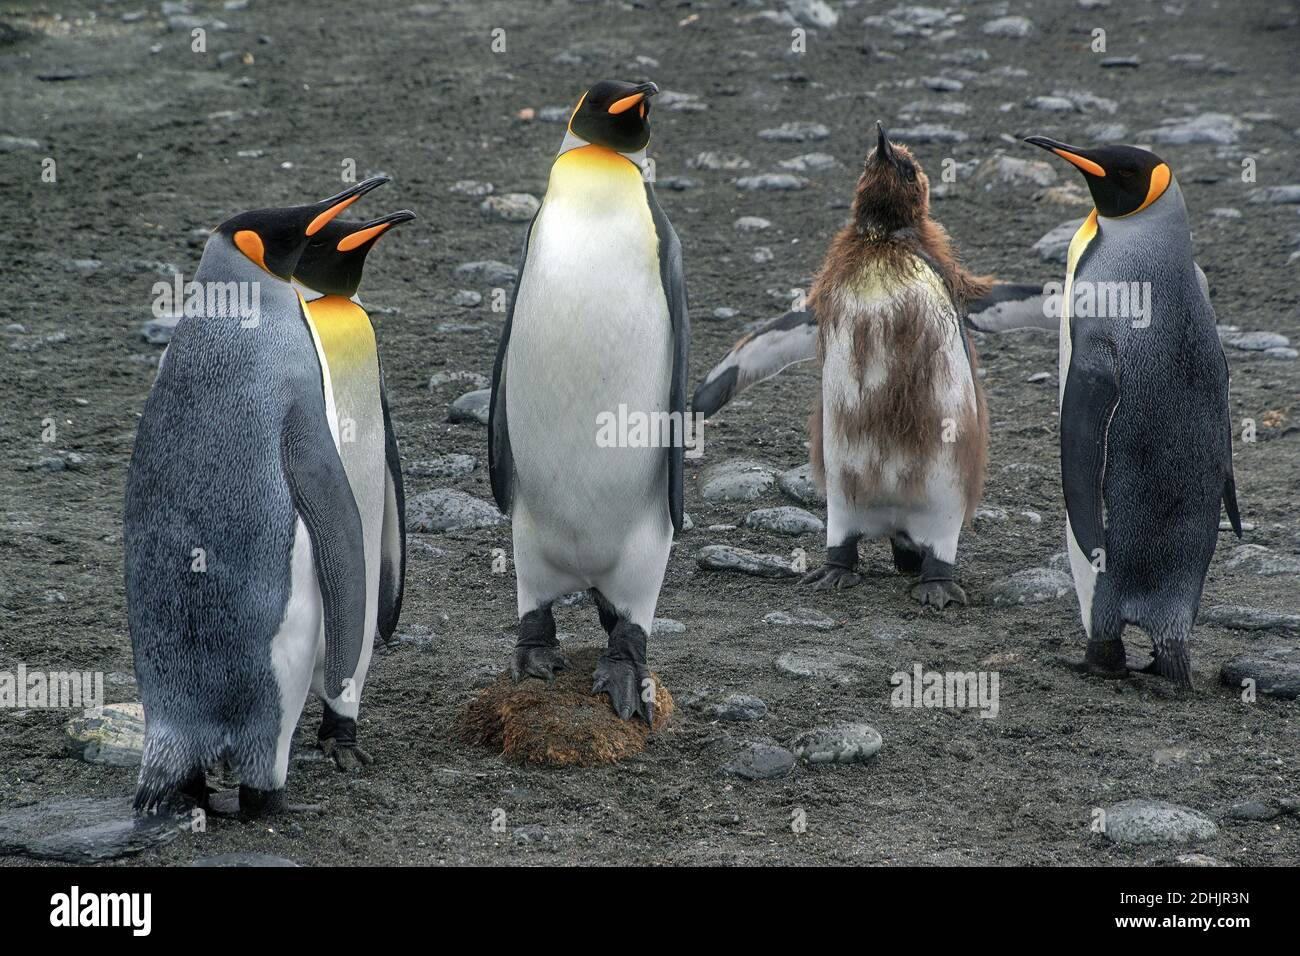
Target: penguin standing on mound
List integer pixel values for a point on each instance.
(356, 403)
(242, 535)
(1146, 437)
(597, 323)
(900, 434)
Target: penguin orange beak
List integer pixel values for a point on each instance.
(632, 99)
(336, 204)
(373, 229)
(1070, 154)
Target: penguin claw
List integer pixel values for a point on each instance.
(831, 577)
(623, 682)
(939, 594)
(539, 662)
(347, 757)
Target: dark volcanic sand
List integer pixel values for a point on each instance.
(148, 145)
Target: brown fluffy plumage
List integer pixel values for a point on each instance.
(889, 230)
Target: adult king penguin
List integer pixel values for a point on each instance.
(597, 322)
(242, 535)
(900, 433)
(356, 403)
(1146, 439)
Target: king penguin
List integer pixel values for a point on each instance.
(598, 323)
(356, 403)
(1146, 437)
(242, 535)
(900, 433)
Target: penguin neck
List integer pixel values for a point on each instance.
(224, 265)
(1166, 218)
(595, 175)
(572, 141)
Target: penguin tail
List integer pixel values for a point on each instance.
(171, 776)
(1230, 503)
(1173, 661)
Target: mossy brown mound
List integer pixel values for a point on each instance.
(563, 725)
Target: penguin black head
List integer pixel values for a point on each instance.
(275, 238)
(893, 191)
(1122, 179)
(334, 257)
(615, 115)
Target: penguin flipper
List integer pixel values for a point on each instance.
(501, 460)
(758, 356)
(1011, 305)
(673, 278)
(1091, 396)
(323, 500)
(392, 551)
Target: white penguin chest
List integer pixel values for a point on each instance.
(591, 329)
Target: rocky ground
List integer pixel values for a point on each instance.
(773, 753)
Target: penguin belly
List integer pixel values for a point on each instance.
(345, 342)
(895, 380)
(591, 333)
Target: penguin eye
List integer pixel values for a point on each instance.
(1125, 173)
(910, 173)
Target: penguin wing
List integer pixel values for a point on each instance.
(785, 341)
(392, 548)
(1011, 305)
(1091, 396)
(501, 461)
(673, 279)
(323, 499)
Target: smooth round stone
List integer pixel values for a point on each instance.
(81, 830)
(1276, 672)
(758, 761)
(443, 468)
(1145, 822)
(439, 379)
(772, 182)
(471, 407)
(738, 480)
(735, 707)
(1243, 618)
(784, 520)
(487, 271)
(842, 743)
(666, 625)
(467, 298)
(1054, 246)
(1262, 561)
(752, 224)
(445, 509)
(798, 483)
(724, 557)
(801, 617)
(820, 664)
(1031, 586)
(115, 738)
(795, 132)
(510, 207)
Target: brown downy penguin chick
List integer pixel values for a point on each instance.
(900, 436)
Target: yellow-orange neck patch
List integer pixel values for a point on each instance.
(250, 244)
